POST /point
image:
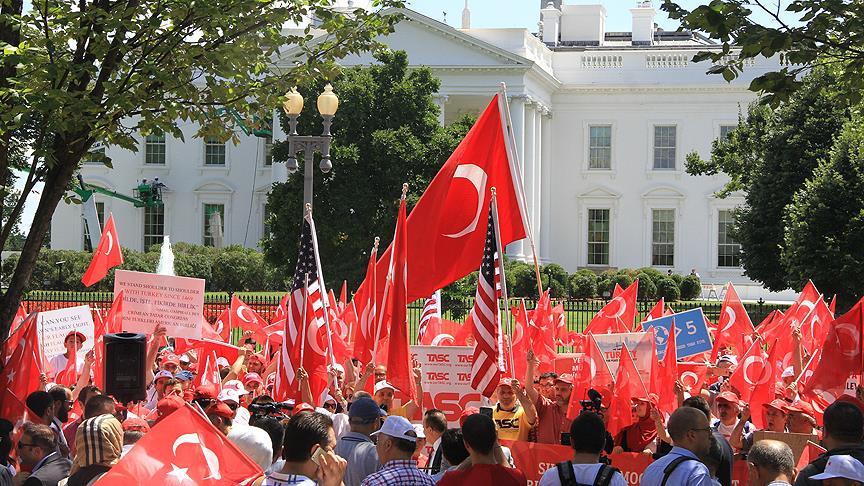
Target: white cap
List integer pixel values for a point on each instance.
(329, 398)
(788, 373)
(222, 361)
(842, 466)
(383, 384)
(729, 359)
(228, 394)
(236, 385)
(418, 428)
(398, 427)
(184, 358)
(339, 367)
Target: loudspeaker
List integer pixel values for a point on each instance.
(125, 355)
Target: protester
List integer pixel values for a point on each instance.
(513, 420)
(801, 419)
(480, 438)
(453, 451)
(232, 393)
(587, 438)
(842, 470)
(42, 408)
(419, 445)
(254, 442)
(37, 454)
(546, 384)
(384, 392)
(640, 436)
(276, 431)
(771, 462)
(396, 444)
(305, 434)
(552, 418)
(73, 342)
(842, 434)
(690, 432)
(69, 430)
(7, 464)
(722, 370)
(774, 414)
(166, 407)
(157, 391)
(356, 446)
(100, 444)
(62, 403)
(724, 468)
(221, 416)
(713, 457)
(434, 426)
(729, 410)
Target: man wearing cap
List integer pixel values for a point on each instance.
(842, 470)
(157, 391)
(728, 408)
(73, 343)
(356, 446)
(801, 419)
(232, 398)
(774, 414)
(513, 420)
(396, 444)
(843, 432)
(722, 370)
(384, 391)
(552, 418)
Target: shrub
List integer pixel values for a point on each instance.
(622, 279)
(239, 269)
(677, 278)
(522, 281)
(555, 278)
(652, 273)
(647, 289)
(691, 287)
(583, 286)
(668, 289)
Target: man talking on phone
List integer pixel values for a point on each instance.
(513, 420)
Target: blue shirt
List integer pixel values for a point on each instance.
(687, 473)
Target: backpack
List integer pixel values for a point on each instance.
(667, 471)
(567, 478)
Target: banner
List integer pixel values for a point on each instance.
(177, 303)
(53, 326)
(691, 333)
(610, 345)
(446, 379)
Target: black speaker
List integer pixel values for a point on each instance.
(125, 355)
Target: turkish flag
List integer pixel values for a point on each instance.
(441, 332)
(664, 376)
(399, 370)
(245, 317)
(521, 344)
(208, 374)
(559, 318)
(770, 319)
(20, 377)
(841, 355)
(281, 310)
(692, 375)
(447, 227)
(8, 346)
(806, 301)
(734, 325)
(753, 369)
(763, 391)
(366, 305)
(618, 314)
(814, 328)
(782, 350)
(222, 326)
(628, 385)
(543, 330)
(183, 448)
(310, 349)
(343, 296)
(593, 372)
(107, 255)
(833, 305)
(656, 313)
(228, 351)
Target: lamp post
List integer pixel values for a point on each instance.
(328, 103)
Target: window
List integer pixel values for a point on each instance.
(663, 237)
(664, 146)
(95, 156)
(100, 211)
(725, 130)
(214, 151)
(154, 226)
(598, 237)
(728, 250)
(214, 224)
(268, 150)
(154, 149)
(600, 147)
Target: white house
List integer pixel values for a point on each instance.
(603, 122)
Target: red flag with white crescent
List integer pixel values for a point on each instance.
(107, 255)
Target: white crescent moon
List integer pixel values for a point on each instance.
(764, 374)
(518, 334)
(731, 313)
(689, 374)
(240, 313)
(852, 331)
(478, 178)
(622, 307)
(110, 242)
(440, 339)
(799, 317)
(209, 456)
(219, 326)
(593, 367)
(312, 336)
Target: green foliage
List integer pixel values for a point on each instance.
(623, 279)
(668, 289)
(768, 157)
(806, 34)
(649, 272)
(238, 269)
(677, 278)
(583, 286)
(385, 133)
(647, 288)
(555, 278)
(455, 296)
(824, 239)
(691, 287)
(522, 280)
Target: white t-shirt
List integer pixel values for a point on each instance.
(584, 473)
(58, 363)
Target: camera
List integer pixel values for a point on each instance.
(594, 402)
(272, 408)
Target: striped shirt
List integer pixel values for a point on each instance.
(400, 472)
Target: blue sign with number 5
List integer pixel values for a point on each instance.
(691, 333)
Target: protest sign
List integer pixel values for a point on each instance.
(610, 345)
(53, 326)
(796, 442)
(149, 299)
(447, 379)
(567, 363)
(691, 333)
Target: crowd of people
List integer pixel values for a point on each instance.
(74, 435)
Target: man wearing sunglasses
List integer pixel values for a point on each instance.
(37, 453)
(691, 433)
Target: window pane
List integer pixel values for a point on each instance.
(154, 149)
(725, 130)
(214, 152)
(268, 150)
(100, 211)
(664, 147)
(154, 226)
(663, 237)
(598, 237)
(728, 250)
(600, 147)
(213, 234)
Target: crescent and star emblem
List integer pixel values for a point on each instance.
(478, 179)
(110, 242)
(209, 456)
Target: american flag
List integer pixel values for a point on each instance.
(488, 355)
(431, 309)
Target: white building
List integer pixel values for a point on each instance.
(603, 121)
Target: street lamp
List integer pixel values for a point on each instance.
(328, 103)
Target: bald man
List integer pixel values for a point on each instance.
(771, 462)
(691, 434)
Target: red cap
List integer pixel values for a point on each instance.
(730, 397)
(251, 378)
(167, 406)
(801, 407)
(467, 413)
(171, 358)
(220, 409)
(206, 392)
(777, 404)
(137, 424)
(565, 378)
(74, 333)
(505, 382)
(652, 398)
(303, 407)
(258, 356)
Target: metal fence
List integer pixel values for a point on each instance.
(578, 312)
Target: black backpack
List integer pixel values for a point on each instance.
(567, 478)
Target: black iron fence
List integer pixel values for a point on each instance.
(577, 312)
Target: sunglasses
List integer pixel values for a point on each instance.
(232, 406)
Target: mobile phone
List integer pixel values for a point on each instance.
(487, 411)
(316, 456)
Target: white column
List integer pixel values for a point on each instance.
(517, 118)
(441, 101)
(538, 176)
(530, 170)
(546, 188)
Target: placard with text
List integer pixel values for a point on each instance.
(177, 303)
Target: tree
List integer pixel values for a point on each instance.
(72, 73)
(386, 133)
(804, 33)
(824, 239)
(768, 157)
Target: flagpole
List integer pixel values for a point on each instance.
(325, 301)
(516, 174)
(387, 281)
(504, 295)
(303, 318)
